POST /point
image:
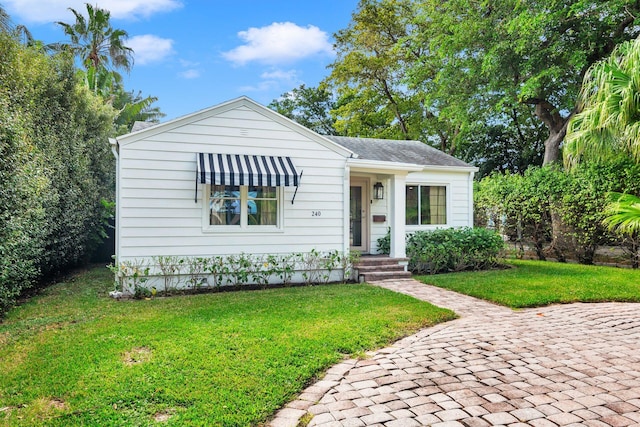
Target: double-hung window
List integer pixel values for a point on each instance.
(426, 205)
(244, 192)
(243, 206)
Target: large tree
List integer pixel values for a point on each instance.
(447, 72)
(528, 57)
(309, 106)
(373, 99)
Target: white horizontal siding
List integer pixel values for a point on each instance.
(379, 229)
(252, 241)
(158, 214)
(226, 145)
(146, 252)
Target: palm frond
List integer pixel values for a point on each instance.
(609, 123)
(623, 214)
(5, 20)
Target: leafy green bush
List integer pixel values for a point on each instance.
(55, 167)
(558, 213)
(235, 270)
(453, 249)
(384, 243)
(450, 249)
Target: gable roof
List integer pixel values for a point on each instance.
(363, 149)
(399, 151)
(142, 130)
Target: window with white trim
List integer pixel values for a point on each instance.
(243, 206)
(426, 205)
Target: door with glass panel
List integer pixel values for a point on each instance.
(359, 216)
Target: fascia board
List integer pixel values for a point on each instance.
(361, 164)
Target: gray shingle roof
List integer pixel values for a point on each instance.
(138, 125)
(400, 151)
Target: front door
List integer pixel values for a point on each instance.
(359, 216)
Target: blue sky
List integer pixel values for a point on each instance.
(195, 54)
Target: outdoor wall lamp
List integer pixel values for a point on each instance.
(378, 191)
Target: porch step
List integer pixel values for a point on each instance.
(379, 267)
(374, 268)
(379, 260)
(383, 275)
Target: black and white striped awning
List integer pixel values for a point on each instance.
(242, 169)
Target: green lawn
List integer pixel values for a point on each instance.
(75, 357)
(538, 283)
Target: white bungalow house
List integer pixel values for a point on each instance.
(240, 178)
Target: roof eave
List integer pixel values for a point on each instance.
(450, 168)
(381, 165)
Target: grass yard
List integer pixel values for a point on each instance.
(538, 283)
(75, 357)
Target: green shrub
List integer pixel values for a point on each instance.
(451, 249)
(237, 270)
(384, 243)
(56, 167)
(558, 213)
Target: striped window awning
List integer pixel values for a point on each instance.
(242, 169)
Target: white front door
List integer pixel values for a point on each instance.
(359, 215)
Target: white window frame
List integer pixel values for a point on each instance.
(416, 227)
(243, 226)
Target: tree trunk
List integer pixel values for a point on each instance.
(557, 125)
(552, 145)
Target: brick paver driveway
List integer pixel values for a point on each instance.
(575, 364)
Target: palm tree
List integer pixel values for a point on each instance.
(97, 43)
(102, 50)
(609, 125)
(19, 32)
(133, 107)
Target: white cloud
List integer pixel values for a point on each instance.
(190, 74)
(149, 48)
(289, 75)
(280, 42)
(41, 11)
(187, 64)
(263, 86)
(274, 79)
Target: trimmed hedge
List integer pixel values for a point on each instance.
(451, 249)
(559, 213)
(55, 167)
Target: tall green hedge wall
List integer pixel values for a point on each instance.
(55, 167)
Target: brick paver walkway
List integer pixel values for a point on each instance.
(563, 365)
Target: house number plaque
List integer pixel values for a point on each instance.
(316, 213)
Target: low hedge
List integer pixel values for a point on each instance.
(451, 249)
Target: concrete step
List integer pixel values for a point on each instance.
(383, 275)
(381, 267)
(379, 260)
(385, 267)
